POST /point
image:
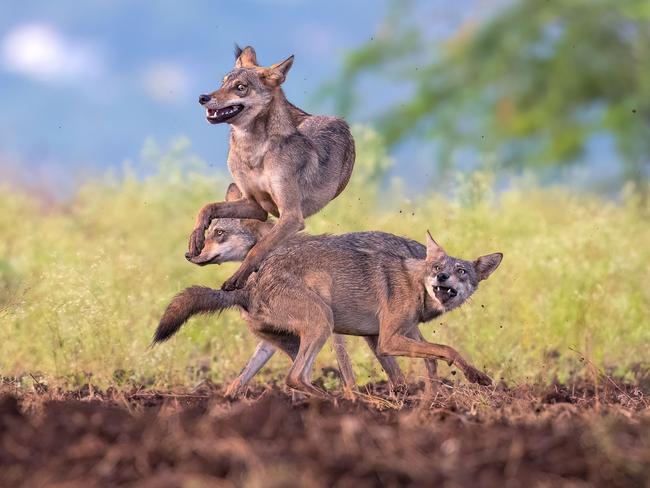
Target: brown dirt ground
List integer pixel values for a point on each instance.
(573, 435)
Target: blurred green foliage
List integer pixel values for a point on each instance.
(82, 285)
(528, 87)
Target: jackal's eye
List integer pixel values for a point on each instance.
(461, 271)
(241, 87)
(437, 267)
(219, 232)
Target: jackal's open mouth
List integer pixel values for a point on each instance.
(444, 293)
(216, 116)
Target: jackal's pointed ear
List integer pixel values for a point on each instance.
(257, 228)
(233, 193)
(284, 66)
(275, 74)
(485, 265)
(245, 58)
(434, 251)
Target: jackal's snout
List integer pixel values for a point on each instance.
(442, 277)
(190, 258)
(203, 99)
(206, 257)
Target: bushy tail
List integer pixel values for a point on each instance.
(192, 301)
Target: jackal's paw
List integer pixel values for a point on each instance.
(349, 393)
(234, 389)
(400, 389)
(307, 389)
(197, 239)
(475, 376)
(228, 285)
(235, 282)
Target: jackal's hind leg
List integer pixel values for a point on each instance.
(299, 377)
(313, 321)
(263, 352)
(349, 383)
(271, 342)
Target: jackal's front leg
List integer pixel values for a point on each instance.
(394, 340)
(237, 209)
(288, 224)
(399, 345)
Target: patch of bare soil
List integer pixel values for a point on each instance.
(571, 435)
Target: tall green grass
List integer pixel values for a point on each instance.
(83, 284)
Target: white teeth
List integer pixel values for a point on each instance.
(220, 112)
(448, 291)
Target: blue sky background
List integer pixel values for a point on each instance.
(83, 84)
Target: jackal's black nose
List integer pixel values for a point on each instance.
(442, 277)
(203, 99)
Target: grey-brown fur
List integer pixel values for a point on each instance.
(358, 284)
(231, 240)
(285, 161)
